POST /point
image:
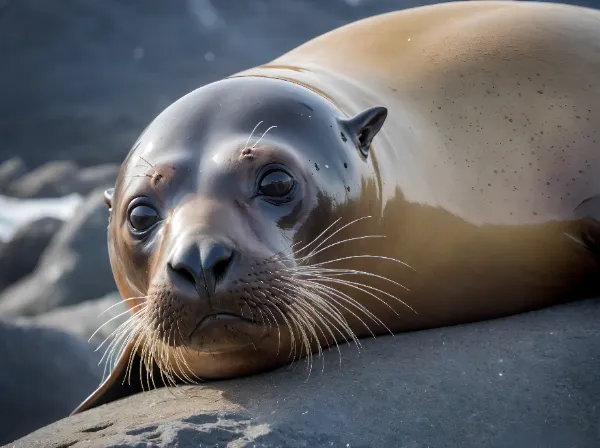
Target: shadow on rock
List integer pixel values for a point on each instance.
(20, 255)
(44, 374)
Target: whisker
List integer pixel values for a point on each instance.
(313, 241)
(261, 137)
(252, 133)
(363, 256)
(113, 318)
(119, 303)
(346, 298)
(130, 321)
(152, 166)
(336, 232)
(356, 284)
(347, 240)
(178, 355)
(329, 311)
(316, 325)
(311, 271)
(292, 335)
(278, 330)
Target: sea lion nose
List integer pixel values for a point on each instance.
(203, 264)
(215, 257)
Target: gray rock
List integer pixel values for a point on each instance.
(46, 181)
(44, 373)
(20, 255)
(10, 171)
(82, 320)
(82, 95)
(74, 267)
(100, 176)
(531, 380)
(61, 178)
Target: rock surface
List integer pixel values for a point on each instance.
(73, 268)
(10, 171)
(47, 180)
(531, 380)
(44, 374)
(20, 255)
(61, 178)
(82, 320)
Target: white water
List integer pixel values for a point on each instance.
(15, 213)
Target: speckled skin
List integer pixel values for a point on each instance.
(497, 101)
(485, 177)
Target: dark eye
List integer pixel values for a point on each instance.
(142, 217)
(276, 184)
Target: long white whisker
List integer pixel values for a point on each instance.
(252, 133)
(261, 137)
(347, 240)
(349, 300)
(113, 318)
(317, 238)
(119, 303)
(356, 285)
(336, 232)
(363, 256)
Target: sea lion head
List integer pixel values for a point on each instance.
(218, 207)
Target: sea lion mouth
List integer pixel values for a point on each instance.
(220, 318)
(225, 332)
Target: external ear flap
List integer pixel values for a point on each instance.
(364, 126)
(108, 196)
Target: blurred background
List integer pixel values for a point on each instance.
(79, 80)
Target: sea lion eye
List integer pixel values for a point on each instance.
(276, 183)
(142, 217)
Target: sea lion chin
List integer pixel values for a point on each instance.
(429, 167)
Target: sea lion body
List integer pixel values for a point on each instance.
(479, 197)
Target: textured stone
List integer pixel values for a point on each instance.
(531, 380)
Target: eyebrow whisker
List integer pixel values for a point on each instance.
(148, 163)
(251, 134)
(261, 137)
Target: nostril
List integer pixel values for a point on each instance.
(216, 260)
(185, 264)
(184, 273)
(220, 268)
(203, 265)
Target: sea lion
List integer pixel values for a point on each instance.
(426, 167)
